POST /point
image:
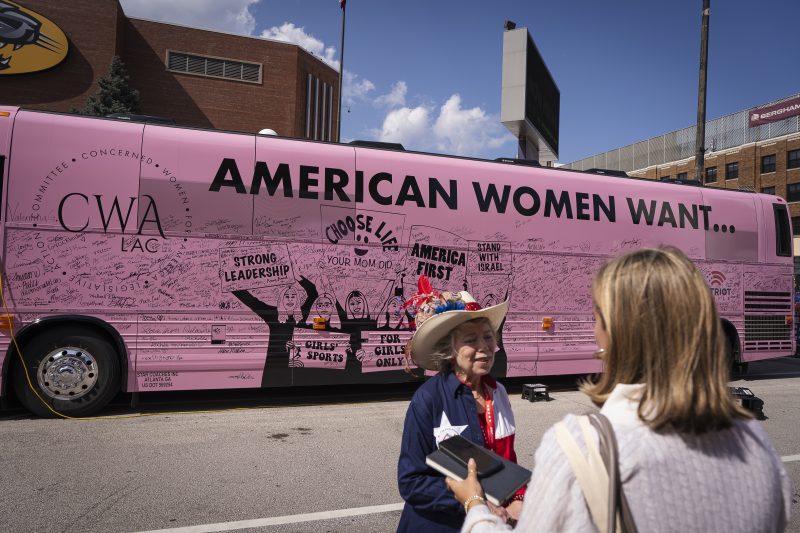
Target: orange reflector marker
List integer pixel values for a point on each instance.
(789, 320)
(319, 322)
(5, 113)
(547, 323)
(6, 324)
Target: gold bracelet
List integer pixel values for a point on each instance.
(473, 498)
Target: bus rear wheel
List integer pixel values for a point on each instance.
(74, 372)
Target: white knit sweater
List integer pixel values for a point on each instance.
(727, 481)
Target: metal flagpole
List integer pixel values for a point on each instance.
(341, 76)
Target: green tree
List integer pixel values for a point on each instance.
(114, 95)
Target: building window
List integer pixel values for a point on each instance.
(795, 225)
(681, 175)
(768, 164)
(793, 192)
(213, 67)
(793, 159)
(664, 178)
(711, 174)
(768, 190)
(319, 109)
(732, 170)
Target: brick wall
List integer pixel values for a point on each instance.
(91, 27)
(98, 29)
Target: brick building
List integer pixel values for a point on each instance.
(200, 78)
(756, 149)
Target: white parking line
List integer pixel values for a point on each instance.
(310, 517)
(278, 520)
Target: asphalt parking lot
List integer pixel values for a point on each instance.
(271, 466)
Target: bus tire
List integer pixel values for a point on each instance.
(75, 372)
(736, 368)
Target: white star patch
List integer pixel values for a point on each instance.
(446, 430)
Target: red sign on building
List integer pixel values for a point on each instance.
(775, 112)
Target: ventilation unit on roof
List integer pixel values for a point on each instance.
(377, 144)
(607, 172)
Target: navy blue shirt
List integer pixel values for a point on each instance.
(445, 407)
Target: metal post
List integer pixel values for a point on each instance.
(701, 97)
(341, 75)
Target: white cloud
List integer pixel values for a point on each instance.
(289, 33)
(410, 127)
(396, 97)
(466, 131)
(230, 16)
(469, 132)
(355, 89)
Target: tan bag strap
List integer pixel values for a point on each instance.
(590, 473)
(617, 502)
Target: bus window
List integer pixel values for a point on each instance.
(783, 232)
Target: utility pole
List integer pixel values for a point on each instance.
(700, 140)
(341, 75)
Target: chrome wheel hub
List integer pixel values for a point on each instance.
(67, 373)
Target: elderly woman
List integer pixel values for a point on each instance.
(458, 339)
(690, 458)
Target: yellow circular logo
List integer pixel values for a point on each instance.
(28, 41)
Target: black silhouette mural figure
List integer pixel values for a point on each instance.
(281, 319)
(355, 319)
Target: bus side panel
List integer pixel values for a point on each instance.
(768, 311)
(74, 174)
(190, 336)
(6, 123)
(532, 235)
(70, 179)
(769, 292)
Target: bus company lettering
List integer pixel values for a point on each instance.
(79, 203)
(434, 256)
(364, 224)
(330, 183)
(159, 380)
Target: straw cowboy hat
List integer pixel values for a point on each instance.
(437, 314)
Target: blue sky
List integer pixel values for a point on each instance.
(427, 73)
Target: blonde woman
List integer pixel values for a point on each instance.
(690, 458)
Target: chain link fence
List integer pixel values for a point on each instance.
(722, 133)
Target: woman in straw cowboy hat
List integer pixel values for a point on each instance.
(690, 458)
(458, 339)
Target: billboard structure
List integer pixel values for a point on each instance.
(530, 103)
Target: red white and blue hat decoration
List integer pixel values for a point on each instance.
(436, 314)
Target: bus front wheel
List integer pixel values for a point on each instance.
(72, 372)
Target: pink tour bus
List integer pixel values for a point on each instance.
(142, 257)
